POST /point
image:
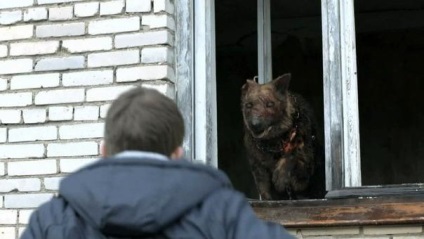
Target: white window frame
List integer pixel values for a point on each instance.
(196, 83)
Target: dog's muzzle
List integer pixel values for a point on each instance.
(256, 125)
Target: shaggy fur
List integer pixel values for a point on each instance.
(280, 138)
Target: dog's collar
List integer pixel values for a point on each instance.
(278, 146)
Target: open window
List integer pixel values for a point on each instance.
(292, 34)
(358, 64)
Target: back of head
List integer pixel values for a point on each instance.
(145, 120)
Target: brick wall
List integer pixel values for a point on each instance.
(61, 63)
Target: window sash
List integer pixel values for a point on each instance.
(196, 78)
(341, 114)
(196, 83)
(264, 42)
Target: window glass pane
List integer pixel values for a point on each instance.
(296, 48)
(390, 50)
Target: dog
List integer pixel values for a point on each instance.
(285, 157)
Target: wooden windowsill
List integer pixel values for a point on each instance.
(360, 211)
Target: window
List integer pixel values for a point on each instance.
(317, 42)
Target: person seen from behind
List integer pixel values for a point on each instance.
(141, 188)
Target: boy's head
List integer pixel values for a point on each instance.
(145, 120)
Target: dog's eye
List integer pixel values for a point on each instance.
(248, 105)
(269, 104)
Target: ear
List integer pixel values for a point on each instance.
(177, 154)
(249, 84)
(282, 83)
(102, 149)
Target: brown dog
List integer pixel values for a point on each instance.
(280, 138)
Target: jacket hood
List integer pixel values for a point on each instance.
(138, 196)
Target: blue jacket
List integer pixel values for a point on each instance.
(148, 198)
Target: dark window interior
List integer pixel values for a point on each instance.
(297, 48)
(390, 56)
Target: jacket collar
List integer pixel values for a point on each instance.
(141, 154)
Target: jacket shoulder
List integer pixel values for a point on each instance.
(54, 219)
(226, 213)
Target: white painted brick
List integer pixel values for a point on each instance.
(21, 151)
(52, 183)
(143, 39)
(24, 216)
(158, 21)
(72, 165)
(60, 63)
(1, 201)
(35, 14)
(111, 7)
(59, 96)
(164, 88)
(330, 231)
(33, 116)
(3, 51)
(32, 133)
(59, 113)
(15, 4)
(88, 44)
(15, 99)
(106, 93)
(61, 13)
(15, 66)
(3, 84)
(55, 1)
(114, 58)
(388, 230)
(26, 201)
(114, 25)
(2, 173)
(100, 77)
(8, 216)
(10, 17)
(58, 30)
(3, 138)
(35, 81)
(10, 116)
(419, 236)
(86, 113)
(157, 72)
(163, 6)
(33, 48)
(16, 32)
(103, 110)
(86, 9)
(81, 131)
(20, 185)
(72, 149)
(139, 5)
(36, 167)
(7, 232)
(157, 55)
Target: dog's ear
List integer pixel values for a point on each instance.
(282, 83)
(247, 85)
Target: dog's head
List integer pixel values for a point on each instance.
(267, 108)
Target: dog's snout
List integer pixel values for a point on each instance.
(256, 125)
(256, 122)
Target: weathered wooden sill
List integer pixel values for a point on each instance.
(342, 211)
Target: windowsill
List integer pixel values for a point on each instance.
(388, 210)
